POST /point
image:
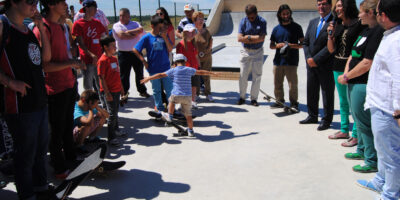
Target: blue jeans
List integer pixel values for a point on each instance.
(156, 85)
(387, 143)
(31, 138)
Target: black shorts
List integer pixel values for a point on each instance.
(195, 81)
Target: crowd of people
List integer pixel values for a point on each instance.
(356, 50)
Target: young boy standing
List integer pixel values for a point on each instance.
(110, 86)
(182, 91)
(157, 57)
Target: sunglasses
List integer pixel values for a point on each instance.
(31, 2)
(160, 14)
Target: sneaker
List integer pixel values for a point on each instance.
(295, 105)
(145, 95)
(276, 105)
(120, 133)
(367, 185)
(254, 103)
(354, 156)
(191, 132)
(166, 117)
(114, 142)
(180, 134)
(210, 98)
(364, 168)
(351, 142)
(194, 105)
(240, 101)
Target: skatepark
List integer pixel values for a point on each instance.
(239, 152)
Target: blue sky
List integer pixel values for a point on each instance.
(148, 6)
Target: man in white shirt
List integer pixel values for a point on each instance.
(383, 99)
(127, 33)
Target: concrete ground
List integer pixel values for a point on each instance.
(239, 152)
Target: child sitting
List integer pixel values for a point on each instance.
(88, 117)
(182, 91)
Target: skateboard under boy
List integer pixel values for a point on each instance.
(107, 166)
(80, 173)
(181, 131)
(176, 116)
(287, 109)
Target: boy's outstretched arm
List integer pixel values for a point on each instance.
(155, 76)
(206, 73)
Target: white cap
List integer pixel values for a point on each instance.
(189, 27)
(179, 56)
(188, 7)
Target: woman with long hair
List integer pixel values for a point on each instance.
(346, 29)
(170, 31)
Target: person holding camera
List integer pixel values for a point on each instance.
(287, 38)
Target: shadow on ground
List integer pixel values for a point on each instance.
(223, 135)
(137, 103)
(135, 183)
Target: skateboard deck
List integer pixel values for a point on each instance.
(286, 108)
(181, 131)
(107, 166)
(81, 172)
(176, 116)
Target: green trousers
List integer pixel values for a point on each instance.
(344, 106)
(365, 146)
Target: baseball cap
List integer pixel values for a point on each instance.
(87, 3)
(188, 7)
(178, 57)
(189, 27)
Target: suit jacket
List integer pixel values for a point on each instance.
(316, 47)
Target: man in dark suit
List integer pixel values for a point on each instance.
(319, 63)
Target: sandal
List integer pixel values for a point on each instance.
(339, 135)
(350, 142)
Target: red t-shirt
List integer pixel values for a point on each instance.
(190, 52)
(59, 81)
(91, 32)
(109, 68)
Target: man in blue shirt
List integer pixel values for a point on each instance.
(252, 31)
(286, 38)
(157, 57)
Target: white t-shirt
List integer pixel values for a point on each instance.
(126, 45)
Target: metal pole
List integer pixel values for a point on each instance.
(175, 12)
(140, 13)
(198, 7)
(159, 5)
(115, 13)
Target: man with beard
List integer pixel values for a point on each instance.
(286, 38)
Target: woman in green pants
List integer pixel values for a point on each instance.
(356, 77)
(343, 34)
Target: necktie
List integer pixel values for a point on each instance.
(320, 27)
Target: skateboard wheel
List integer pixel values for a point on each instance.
(100, 169)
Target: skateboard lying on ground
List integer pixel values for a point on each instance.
(107, 166)
(287, 109)
(81, 172)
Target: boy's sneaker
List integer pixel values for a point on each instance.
(190, 132)
(120, 133)
(210, 98)
(114, 142)
(166, 117)
(241, 101)
(194, 105)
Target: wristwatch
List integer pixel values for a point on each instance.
(396, 116)
(249, 37)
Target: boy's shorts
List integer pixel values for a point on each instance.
(196, 81)
(185, 101)
(77, 129)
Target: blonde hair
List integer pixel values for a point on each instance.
(368, 5)
(184, 37)
(196, 15)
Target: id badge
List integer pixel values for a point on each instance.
(95, 41)
(114, 65)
